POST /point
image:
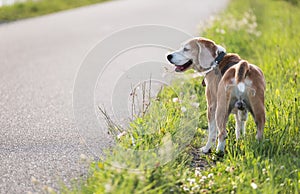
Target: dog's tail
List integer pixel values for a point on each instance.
(240, 74)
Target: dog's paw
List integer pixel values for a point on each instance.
(219, 153)
(205, 150)
(218, 156)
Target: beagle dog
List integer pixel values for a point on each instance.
(232, 86)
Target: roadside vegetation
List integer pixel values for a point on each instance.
(266, 33)
(32, 8)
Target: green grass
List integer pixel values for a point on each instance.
(266, 33)
(37, 8)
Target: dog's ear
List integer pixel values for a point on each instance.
(207, 52)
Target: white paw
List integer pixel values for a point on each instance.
(258, 137)
(205, 149)
(221, 146)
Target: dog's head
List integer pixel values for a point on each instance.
(197, 53)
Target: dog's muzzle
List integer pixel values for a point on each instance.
(180, 68)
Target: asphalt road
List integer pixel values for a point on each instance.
(40, 145)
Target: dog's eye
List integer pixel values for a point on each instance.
(186, 49)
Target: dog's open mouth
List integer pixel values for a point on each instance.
(180, 68)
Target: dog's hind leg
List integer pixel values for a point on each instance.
(258, 112)
(257, 109)
(240, 122)
(225, 104)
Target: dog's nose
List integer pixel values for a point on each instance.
(169, 57)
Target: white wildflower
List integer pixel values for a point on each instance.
(108, 187)
(195, 104)
(264, 171)
(222, 31)
(227, 169)
(281, 167)
(193, 96)
(183, 109)
(185, 188)
(192, 181)
(201, 181)
(211, 175)
(197, 172)
(253, 185)
(196, 187)
(175, 100)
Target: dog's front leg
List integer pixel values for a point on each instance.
(222, 113)
(212, 132)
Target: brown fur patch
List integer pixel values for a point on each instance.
(229, 58)
(210, 45)
(242, 70)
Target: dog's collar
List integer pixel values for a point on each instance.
(214, 64)
(227, 66)
(220, 57)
